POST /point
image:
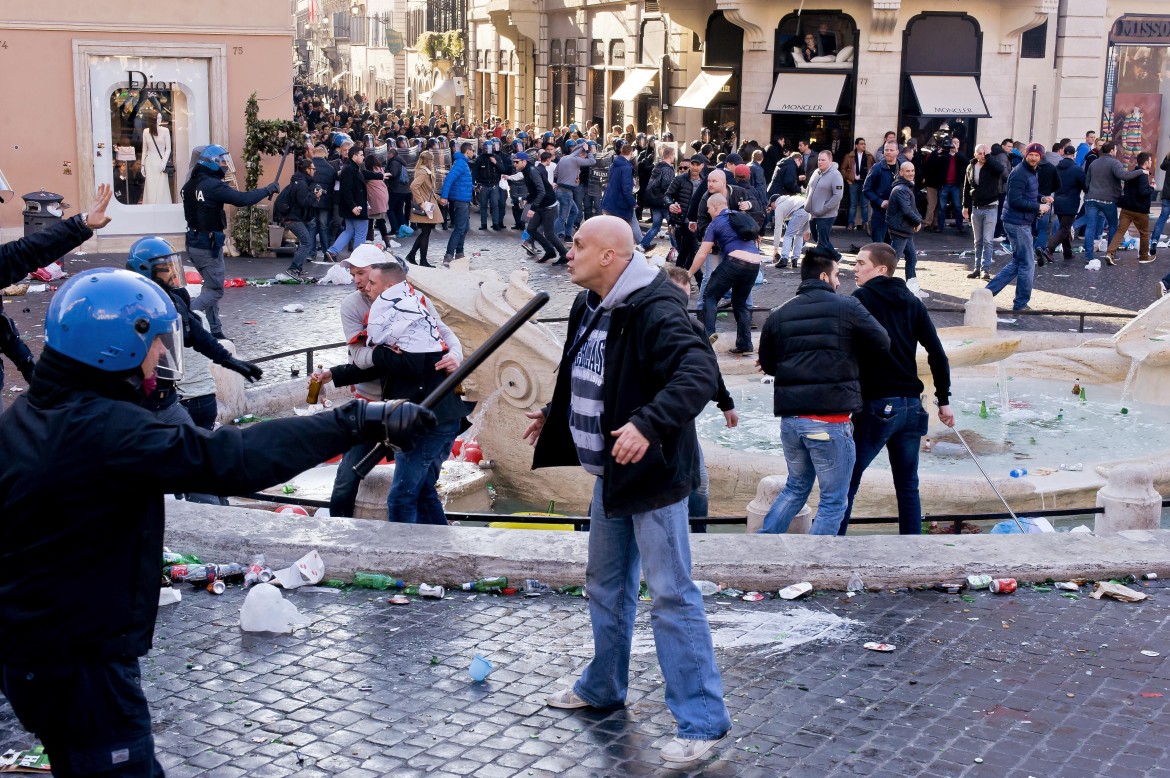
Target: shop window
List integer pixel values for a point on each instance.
(816, 39)
(146, 143)
(1034, 43)
(728, 51)
(938, 44)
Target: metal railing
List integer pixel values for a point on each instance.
(308, 351)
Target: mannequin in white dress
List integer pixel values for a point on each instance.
(156, 152)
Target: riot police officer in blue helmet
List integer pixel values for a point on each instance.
(155, 258)
(204, 195)
(20, 257)
(70, 667)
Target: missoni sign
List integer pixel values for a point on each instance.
(1141, 30)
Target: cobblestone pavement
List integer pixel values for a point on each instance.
(1031, 684)
(254, 319)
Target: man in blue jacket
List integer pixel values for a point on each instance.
(1066, 203)
(618, 199)
(458, 187)
(1022, 204)
(633, 377)
(878, 183)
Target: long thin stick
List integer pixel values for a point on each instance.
(989, 481)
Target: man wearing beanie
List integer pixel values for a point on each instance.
(1022, 204)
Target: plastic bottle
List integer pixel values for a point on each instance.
(196, 574)
(983, 414)
(256, 572)
(1019, 472)
(171, 558)
(855, 583)
(707, 588)
(376, 581)
(230, 570)
(1060, 415)
(494, 584)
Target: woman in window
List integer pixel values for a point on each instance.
(810, 47)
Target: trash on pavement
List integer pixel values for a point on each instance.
(33, 760)
(217, 587)
(1080, 529)
(309, 569)
(753, 597)
(169, 596)
(265, 610)
(884, 648)
(291, 510)
(1003, 586)
(855, 583)
(293, 308)
(479, 669)
(978, 581)
(796, 590)
(707, 588)
(398, 599)
(1067, 586)
(257, 572)
(337, 275)
(1117, 592)
(1147, 652)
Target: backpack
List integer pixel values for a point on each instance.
(744, 225)
(282, 208)
(403, 173)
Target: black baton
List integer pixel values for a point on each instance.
(494, 341)
(280, 168)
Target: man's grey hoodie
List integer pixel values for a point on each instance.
(1104, 178)
(570, 167)
(825, 191)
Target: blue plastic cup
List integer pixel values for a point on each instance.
(480, 668)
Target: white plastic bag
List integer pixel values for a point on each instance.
(337, 275)
(265, 610)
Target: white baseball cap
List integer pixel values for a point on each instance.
(365, 255)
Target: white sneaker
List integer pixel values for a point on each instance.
(916, 289)
(566, 699)
(1163, 288)
(679, 751)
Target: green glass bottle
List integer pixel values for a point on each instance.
(494, 584)
(1082, 394)
(983, 413)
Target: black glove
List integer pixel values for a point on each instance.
(246, 369)
(26, 369)
(398, 423)
(273, 188)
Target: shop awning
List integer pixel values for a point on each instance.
(636, 81)
(806, 93)
(443, 94)
(340, 76)
(703, 89)
(949, 96)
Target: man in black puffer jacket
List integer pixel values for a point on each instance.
(811, 345)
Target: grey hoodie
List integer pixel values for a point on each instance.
(825, 191)
(587, 383)
(570, 166)
(1104, 178)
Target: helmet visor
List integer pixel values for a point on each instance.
(169, 272)
(168, 347)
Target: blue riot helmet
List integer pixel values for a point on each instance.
(110, 319)
(157, 259)
(213, 157)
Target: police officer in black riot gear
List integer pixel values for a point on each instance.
(204, 196)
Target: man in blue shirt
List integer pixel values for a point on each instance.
(737, 272)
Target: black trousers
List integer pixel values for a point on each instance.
(92, 718)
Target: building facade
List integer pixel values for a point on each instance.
(120, 93)
(1023, 69)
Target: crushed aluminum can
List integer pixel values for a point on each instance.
(884, 648)
(978, 581)
(1067, 586)
(1003, 585)
(753, 597)
(796, 590)
(216, 587)
(431, 592)
(1149, 576)
(398, 599)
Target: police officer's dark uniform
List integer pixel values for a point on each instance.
(70, 664)
(204, 196)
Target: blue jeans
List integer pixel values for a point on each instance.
(489, 202)
(656, 542)
(904, 245)
(319, 228)
(983, 231)
(858, 204)
(738, 276)
(1158, 225)
(820, 450)
(460, 221)
(304, 244)
(822, 229)
(949, 195)
(1098, 216)
(899, 431)
(567, 217)
(346, 483)
(657, 216)
(202, 410)
(699, 502)
(413, 498)
(1042, 230)
(1022, 268)
(352, 236)
(877, 226)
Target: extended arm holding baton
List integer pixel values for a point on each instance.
(477, 357)
(280, 168)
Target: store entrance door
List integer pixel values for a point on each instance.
(146, 115)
